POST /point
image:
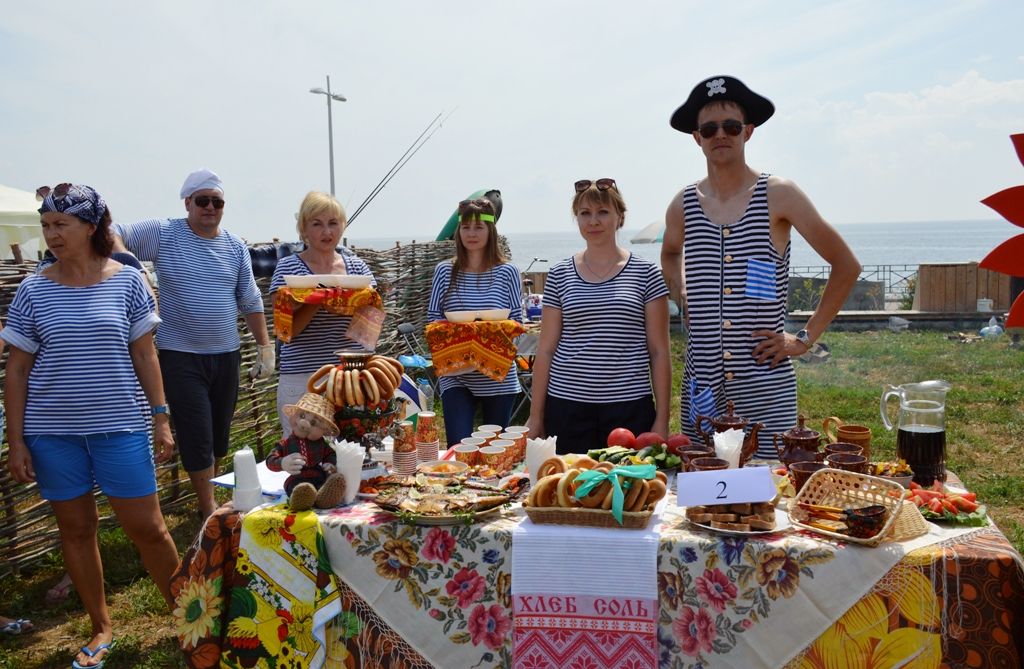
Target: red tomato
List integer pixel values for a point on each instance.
(649, 439)
(677, 443)
(620, 436)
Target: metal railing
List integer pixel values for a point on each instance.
(899, 280)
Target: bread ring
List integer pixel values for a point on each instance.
(547, 490)
(661, 476)
(604, 466)
(387, 389)
(658, 490)
(594, 498)
(312, 386)
(633, 492)
(565, 489)
(606, 503)
(370, 388)
(357, 388)
(641, 498)
(555, 465)
(332, 383)
(585, 463)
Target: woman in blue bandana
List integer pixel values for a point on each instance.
(81, 338)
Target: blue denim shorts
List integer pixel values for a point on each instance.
(68, 465)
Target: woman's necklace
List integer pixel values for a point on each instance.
(600, 277)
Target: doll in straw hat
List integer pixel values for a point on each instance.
(307, 457)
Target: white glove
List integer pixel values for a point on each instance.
(265, 362)
(292, 463)
(328, 467)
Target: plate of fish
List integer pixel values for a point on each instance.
(432, 500)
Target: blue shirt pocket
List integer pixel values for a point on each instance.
(761, 280)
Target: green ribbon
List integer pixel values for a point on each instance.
(486, 218)
(592, 478)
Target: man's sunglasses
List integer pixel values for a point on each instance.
(731, 128)
(602, 184)
(203, 201)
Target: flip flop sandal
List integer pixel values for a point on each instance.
(59, 592)
(93, 653)
(16, 627)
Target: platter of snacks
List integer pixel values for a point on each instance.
(553, 498)
(739, 519)
(657, 455)
(443, 468)
(900, 471)
(431, 500)
(948, 504)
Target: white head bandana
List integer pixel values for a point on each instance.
(201, 180)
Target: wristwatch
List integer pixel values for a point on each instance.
(161, 408)
(804, 338)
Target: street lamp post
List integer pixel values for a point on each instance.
(330, 124)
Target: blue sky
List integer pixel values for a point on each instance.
(885, 111)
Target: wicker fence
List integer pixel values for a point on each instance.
(27, 529)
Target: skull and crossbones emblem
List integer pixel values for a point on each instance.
(715, 86)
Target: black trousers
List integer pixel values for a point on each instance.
(581, 426)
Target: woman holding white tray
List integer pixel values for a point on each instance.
(316, 333)
(478, 278)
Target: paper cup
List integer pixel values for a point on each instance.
(518, 444)
(486, 436)
(493, 456)
(404, 464)
(468, 453)
(496, 429)
(510, 452)
(427, 451)
(246, 499)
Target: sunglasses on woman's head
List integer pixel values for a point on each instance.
(731, 128)
(601, 184)
(203, 201)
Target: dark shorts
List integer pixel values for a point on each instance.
(581, 426)
(202, 391)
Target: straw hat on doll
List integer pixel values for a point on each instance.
(317, 405)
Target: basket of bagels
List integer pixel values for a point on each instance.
(595, 494)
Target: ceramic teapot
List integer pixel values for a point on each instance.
(729, 420)
(799, 444)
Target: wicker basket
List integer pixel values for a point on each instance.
(909, 524)
(840, 488)
(560, 515)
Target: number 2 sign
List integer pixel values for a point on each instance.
(725, 486)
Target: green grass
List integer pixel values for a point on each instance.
(985, 437)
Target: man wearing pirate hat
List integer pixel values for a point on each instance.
(726, 250)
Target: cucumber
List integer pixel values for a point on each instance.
(644, 452)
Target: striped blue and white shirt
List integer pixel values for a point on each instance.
(602, 354)
(204, 283)
(315, 345)
(83, 381)
(736, 282)
(497, 288)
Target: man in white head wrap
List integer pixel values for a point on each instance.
(205, 278)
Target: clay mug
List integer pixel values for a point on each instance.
(801, 471)
(707, 464)
(848, 432)
(848, 462)
(843, 447)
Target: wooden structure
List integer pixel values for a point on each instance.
(957, 287)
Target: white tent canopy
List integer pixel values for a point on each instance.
(651, 234)
(19, 221)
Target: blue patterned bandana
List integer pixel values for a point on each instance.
(80, 201)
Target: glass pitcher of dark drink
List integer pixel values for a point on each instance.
(921, 428)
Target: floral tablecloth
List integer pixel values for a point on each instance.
(365, 305)
(483, 346)
(440, 596)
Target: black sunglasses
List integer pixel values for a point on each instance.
(203, 201)
(601, 184)
(731, 128)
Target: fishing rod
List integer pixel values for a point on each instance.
(416, 145)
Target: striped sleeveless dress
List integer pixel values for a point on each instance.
(736, 282)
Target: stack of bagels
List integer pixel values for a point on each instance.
(368, 385)
(557, 483)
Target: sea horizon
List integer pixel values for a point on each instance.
(886, 243)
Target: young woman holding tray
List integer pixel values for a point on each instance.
(479, 277)
(604, 340)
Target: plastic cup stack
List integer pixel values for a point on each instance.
(248, 493)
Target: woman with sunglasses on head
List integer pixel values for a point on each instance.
(479, 277)
(316, 333)
(81, 338)
(604, 340)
